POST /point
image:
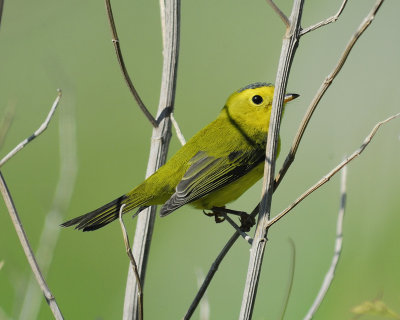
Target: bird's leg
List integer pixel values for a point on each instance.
(246, 220)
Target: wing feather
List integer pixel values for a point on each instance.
(207, 174)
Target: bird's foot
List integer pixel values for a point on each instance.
(247, 221)
(219, 217)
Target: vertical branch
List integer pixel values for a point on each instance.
(290, 43)
(158, 151)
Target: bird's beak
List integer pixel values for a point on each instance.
(290, 97)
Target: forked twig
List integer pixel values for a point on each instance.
(125, 73)
(133, 263)
(64, 189)
(326, 21)
(323, 88)
(42, 127)
(288, 161)
(289, 46)
(17, 222)
(338, 250)
(335, 170)
(279, 12)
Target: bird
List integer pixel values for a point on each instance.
(215, 167)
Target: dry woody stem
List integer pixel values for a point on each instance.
(64, 189)
(335, 170)
(296, 142)
(125, 73)
(326, 21)
(289, 46)
(158, 151)
(133, 263)
(42, 127)
(18, 224)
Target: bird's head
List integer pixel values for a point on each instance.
(252, 104)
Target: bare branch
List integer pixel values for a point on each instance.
(158, 150)
(244, 235)
(133, 262)
(329, 175)
(178, 130)
(324, 87)
(288, 161)
(279, 13)
(210, 275)
(289, 46)
(61, 200)
(28, 250)
(338, 250)
(326, 21)
(125, 73)
(42, 127)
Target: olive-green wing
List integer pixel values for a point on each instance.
(207, 174)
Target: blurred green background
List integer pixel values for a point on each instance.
(224, 45)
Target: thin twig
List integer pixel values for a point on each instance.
(279, 12)
(288, 161)
(330, 174)
(244, 235)
(178, 130)
(42, 127)
(61, 200)
(158, 150)
(323, 88)
(28, 250)
(133, 263)
(291, 277)
(326, 21)
(125, 73)
(15, 217)
(289, 46)
(210, 275)
(338, 250)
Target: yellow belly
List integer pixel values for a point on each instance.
(231, 191)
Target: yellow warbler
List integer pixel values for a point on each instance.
(213, 168)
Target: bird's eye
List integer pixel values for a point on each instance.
(257, 99)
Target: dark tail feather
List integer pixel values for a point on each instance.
(101, 216)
